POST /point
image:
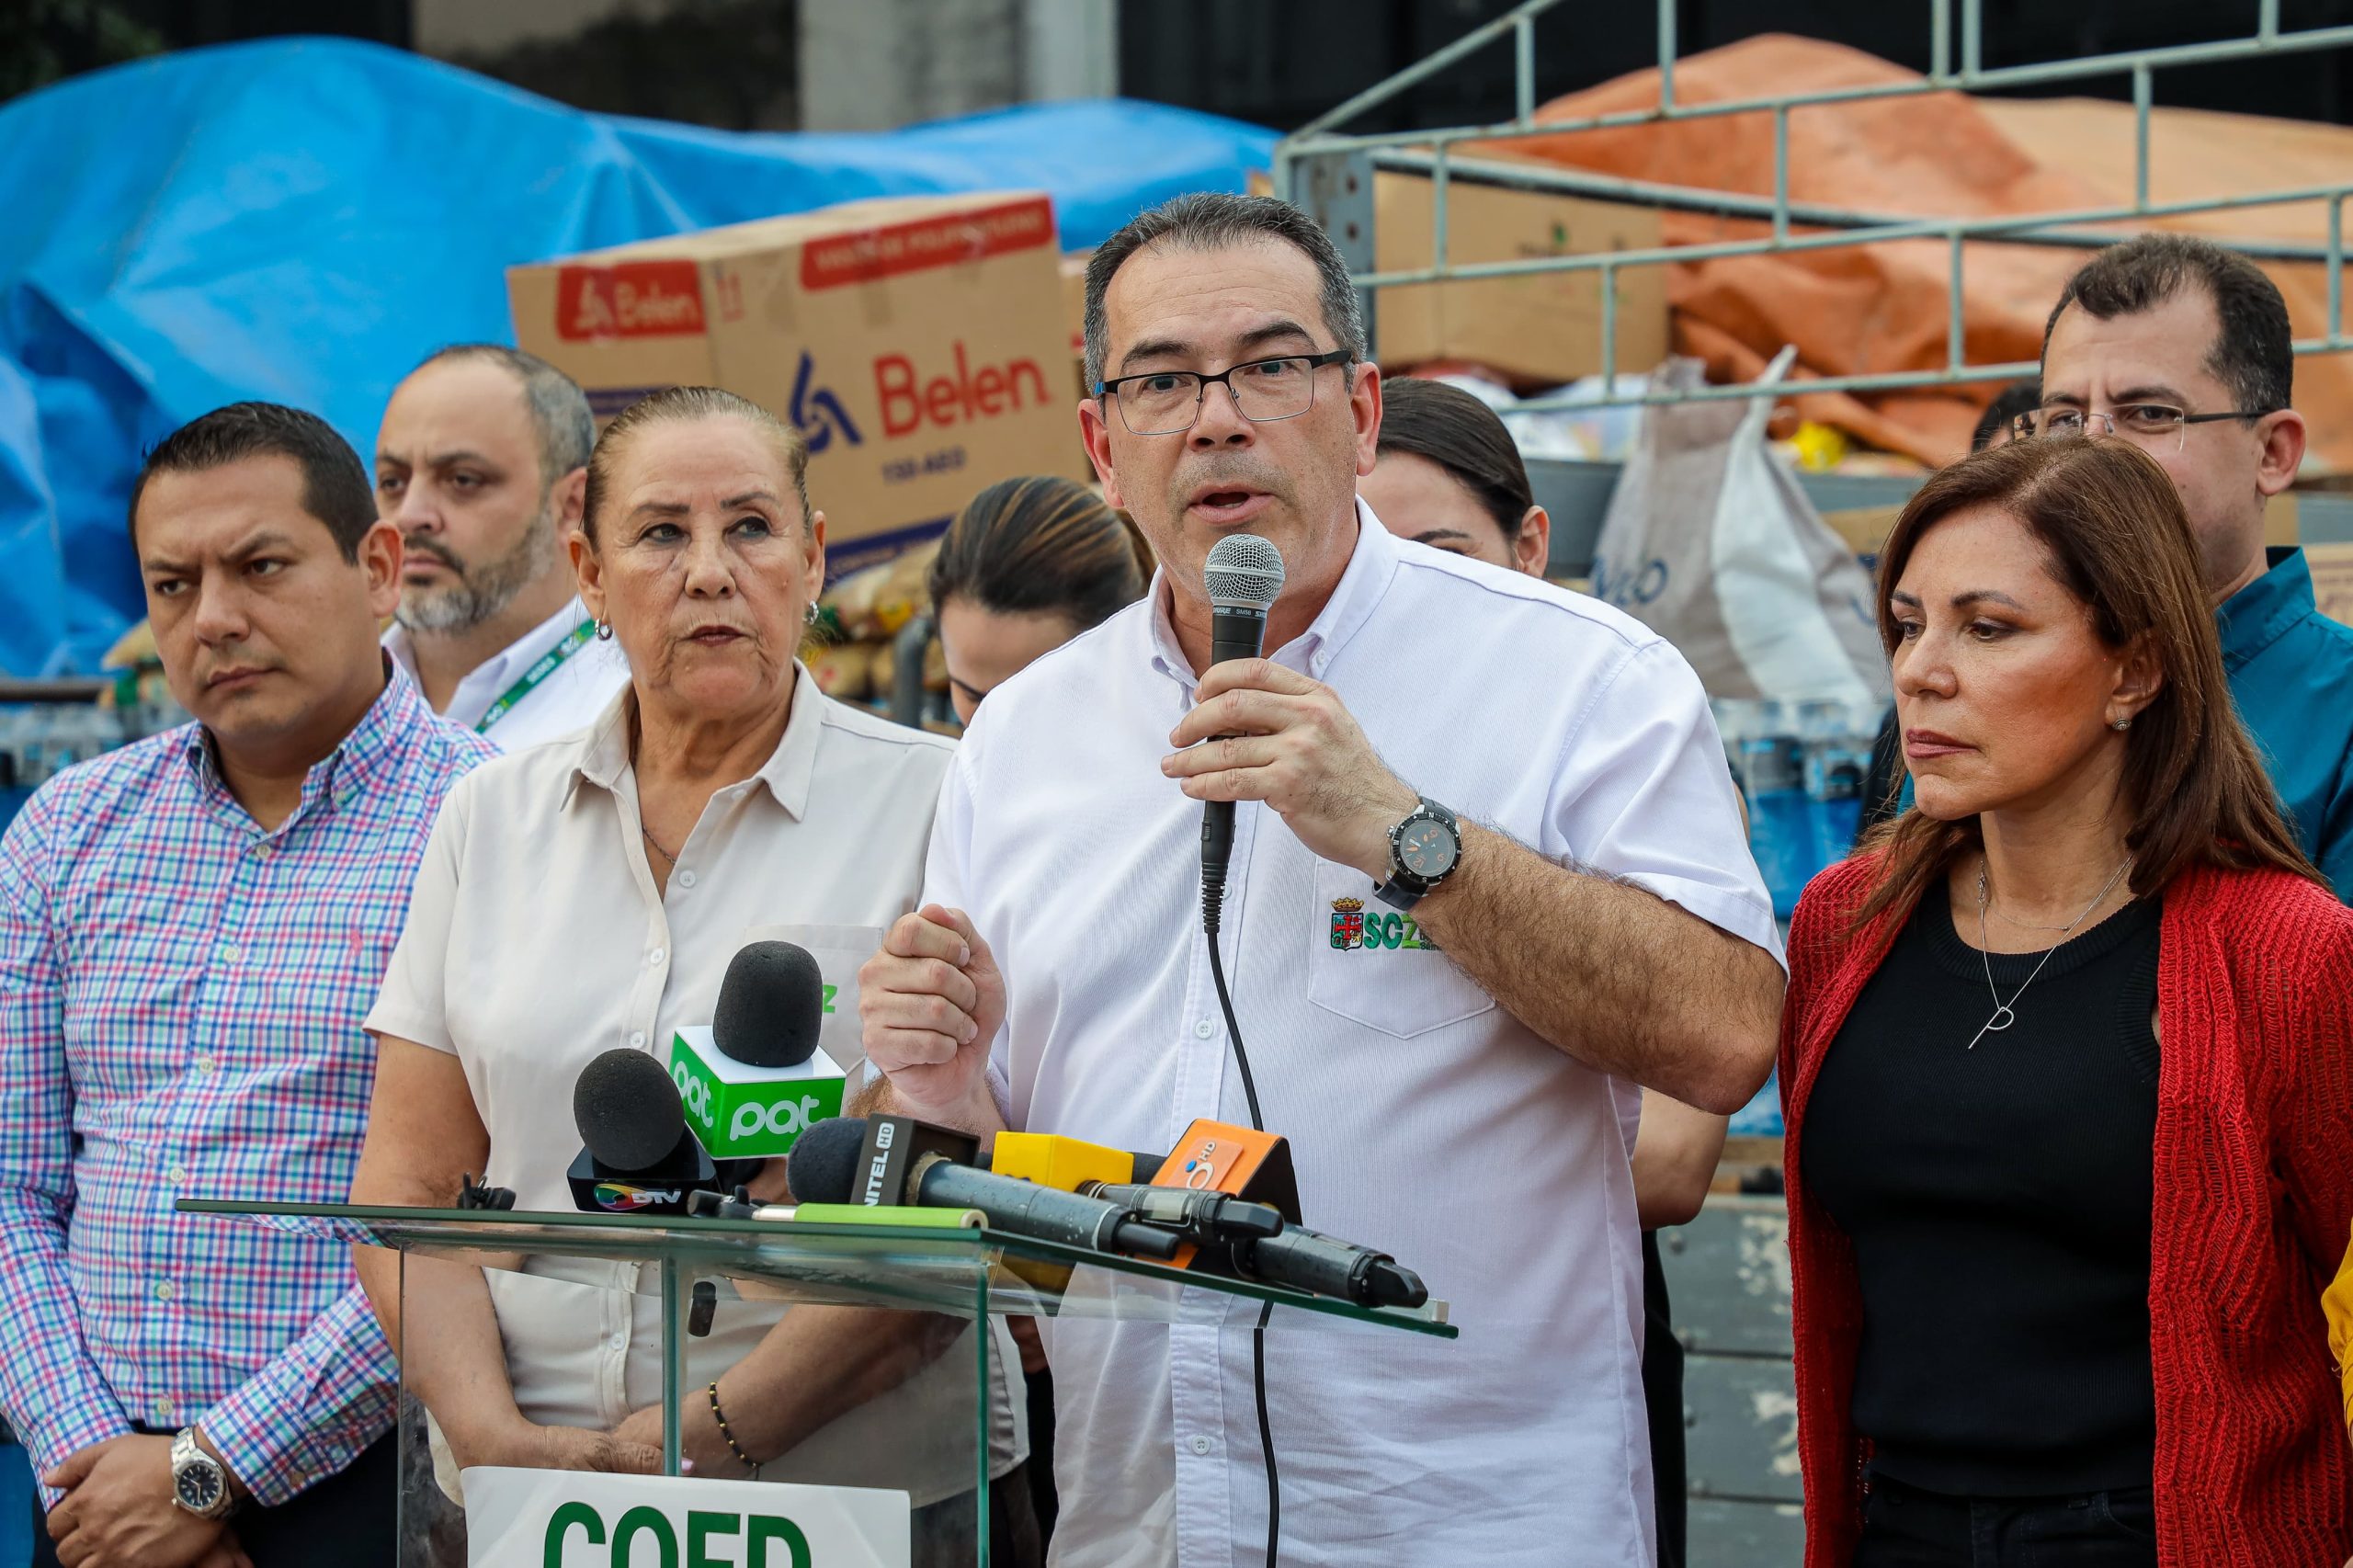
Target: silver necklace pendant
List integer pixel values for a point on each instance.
(2004, 1016)
(2006, 1012)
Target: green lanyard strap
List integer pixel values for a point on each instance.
(579, 637)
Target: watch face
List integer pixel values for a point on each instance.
(199, 1487)
(1426, 849)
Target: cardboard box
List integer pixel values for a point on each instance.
(1864, 529)
(1539, 329)
(2332, 569)
(1074, 311)
(917, 342)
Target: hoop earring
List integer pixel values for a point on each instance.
(811, 615)
(604, 632)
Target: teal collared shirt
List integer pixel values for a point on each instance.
(2290, 669)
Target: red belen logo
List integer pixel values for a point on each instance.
(634, 298)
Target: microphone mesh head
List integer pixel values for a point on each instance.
(627, 1109)
(1245, 571)
(771, 1005)
(823, 1166)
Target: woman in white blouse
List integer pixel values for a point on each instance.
(589, 894)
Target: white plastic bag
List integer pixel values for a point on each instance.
(1710, 543)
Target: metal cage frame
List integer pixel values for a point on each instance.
(1330, 175)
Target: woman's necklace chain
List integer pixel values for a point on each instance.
(2006, 1012)
(657, 846)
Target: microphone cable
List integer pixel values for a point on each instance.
(1212, 915)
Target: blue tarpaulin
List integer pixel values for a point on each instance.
(303, 219)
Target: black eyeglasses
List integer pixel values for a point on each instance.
(2158, 426)
(1164, 402)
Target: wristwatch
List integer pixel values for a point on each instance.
(1424, 849)
(198, 1483)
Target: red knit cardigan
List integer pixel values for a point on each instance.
(2254, 1177)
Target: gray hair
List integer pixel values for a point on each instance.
(560, 412)
(1211, 221)
(684, 406)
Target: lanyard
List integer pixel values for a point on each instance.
(549, 663)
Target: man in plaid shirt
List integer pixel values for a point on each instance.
(191, 930)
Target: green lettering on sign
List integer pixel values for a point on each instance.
(700, 1528)
(561, 1522)
(831, 992)
(646, 1521)
(766, 1528)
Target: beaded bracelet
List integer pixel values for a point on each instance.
(733, 1446)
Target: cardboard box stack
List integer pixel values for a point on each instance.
(918, 342)
(1538, 330)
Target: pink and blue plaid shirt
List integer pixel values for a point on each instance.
(180, 1004)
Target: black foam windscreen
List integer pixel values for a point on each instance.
(628, 1110)
(823, 1166)
(770, 1005)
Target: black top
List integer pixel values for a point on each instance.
(1998, 1201)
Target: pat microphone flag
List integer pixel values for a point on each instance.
(740, 1111)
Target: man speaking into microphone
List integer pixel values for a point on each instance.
(1452, 1040)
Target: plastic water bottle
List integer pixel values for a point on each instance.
(1781, 824)
(1836, 760)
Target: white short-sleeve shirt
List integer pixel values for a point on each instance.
(566, 700)
(536, 940)
(1424, 1119)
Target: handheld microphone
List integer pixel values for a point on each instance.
(1091, 1170)
(1205, 1219)
(1326, 1266)
(854, 1159)
(1244, 577)
(639, 1157)
(754, 1080)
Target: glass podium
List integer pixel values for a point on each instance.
(557, 1405)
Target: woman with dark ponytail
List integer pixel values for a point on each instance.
(1029, 564)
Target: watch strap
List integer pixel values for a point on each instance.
(187, 1453)
(1404, 887)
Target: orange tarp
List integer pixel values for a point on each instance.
(1880, 308)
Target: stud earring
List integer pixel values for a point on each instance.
(2124, 723)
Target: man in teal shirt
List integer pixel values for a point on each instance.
(2183, 348)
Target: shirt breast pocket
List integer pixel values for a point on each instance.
(1375, 966)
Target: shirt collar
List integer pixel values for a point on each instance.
(504, 668)
(787, 773)
(1370, 566)
(2261, 613)
(372, 749)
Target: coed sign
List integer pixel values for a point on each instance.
(558, 1518)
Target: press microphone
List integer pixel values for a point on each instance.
(754, 1079)
(639, 1155)
(898, 1160)
(1092, 1170)
(1326, 1266)
(1244, 577)
(1210, 1192)
(771, 1005)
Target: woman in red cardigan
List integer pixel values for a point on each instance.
(2068, 1067)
